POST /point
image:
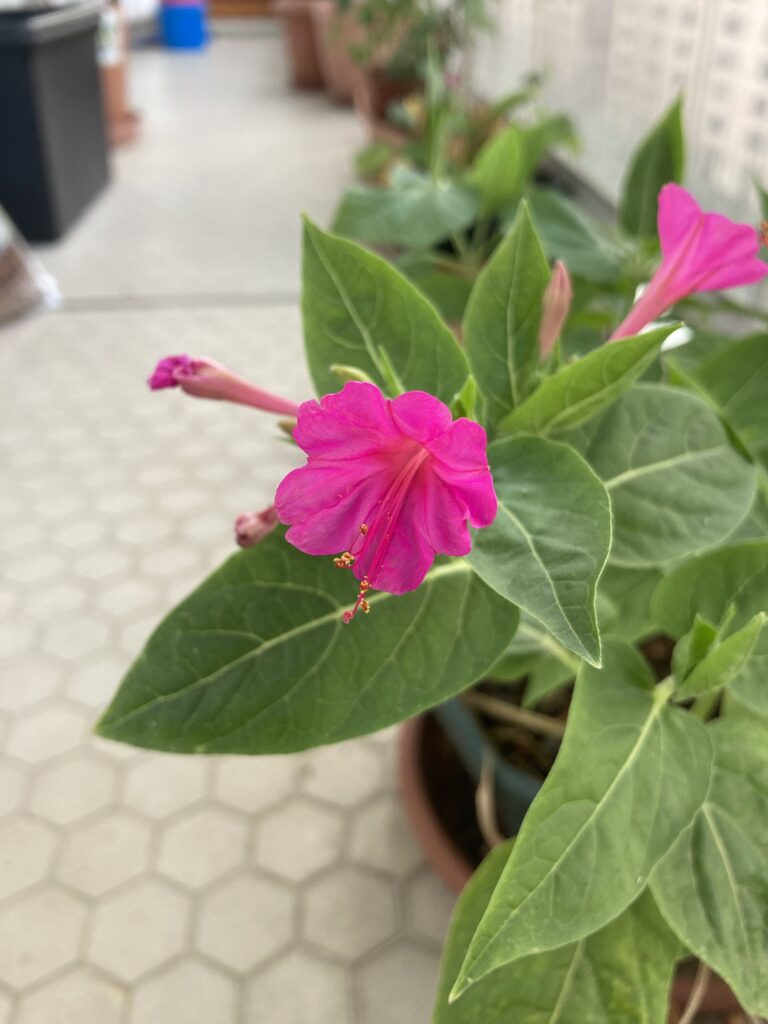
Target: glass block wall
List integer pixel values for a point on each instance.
(616, 64)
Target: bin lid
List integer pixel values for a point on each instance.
(40, 21)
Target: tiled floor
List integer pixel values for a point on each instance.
(150, 889)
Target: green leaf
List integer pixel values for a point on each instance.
(728, 585)
(257, 660)
(711, 887)
(693, 647)
(547, 675)
(498, 172)
(605, 816)
(676, 485)
(628, 594)
(726, 663)
(621, 973)
(567, 236)
(585, 387)
(660, 158)
(359, 311)
(501, 325)
(415, 211)
(447, 288)
(736, 378)
(550, 540)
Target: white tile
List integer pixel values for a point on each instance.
(299, 838)
(101, 854)
(46, 733)
(187, 993)
(202, 846)
(296, 989)
(429, 905)
(244, 921)
(253, 783)
(344, 774)
(79, 997)
(27, 848)
(66, 791)
(137, 929)
(160, 784)
(398, 984)
(382, 838)
(349, 912)
(39, 934)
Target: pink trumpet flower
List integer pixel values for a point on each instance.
(252, 527)
(389, 483)
(701, 252)
(555, 308)
(205, 378)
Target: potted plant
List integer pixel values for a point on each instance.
(300, 42)
(604, 491)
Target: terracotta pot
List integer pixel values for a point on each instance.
(300, 41)
(447, 861)
(455, 870)
(334, 33)
(122, 122)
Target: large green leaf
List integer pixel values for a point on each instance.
(501, 325)
(712, 887)
(567, 236)
(415, 211)
(585, 387)
(730, 587)
(620, 973)
(726, 663)
(736, 378)
(659, 158)
(605, 816)
(444, 283)
(360, 311)
(258, 660)
(498, 172)
(550, 539)
(676, 485)
(624, 600)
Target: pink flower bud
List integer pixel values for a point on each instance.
(556, 306)
(252, 527)
(205, 378)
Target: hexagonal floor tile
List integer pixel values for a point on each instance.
(398, 984)
(79, 997)
(349, 912)
(33, 569)
(429, 906)
(299, 838)
(12, 781)
(382, 837)
(94, 681)
(344, 774)
(126, 597)
(63, 793)
(187, 993)
(103, 853)
(296, 989)
(160, 784)
(26, 852)
(38, 935)
(76, 638)
(46, 733)
(39, 679)
(61, 599)
(202, 846)
(253, 783)
(139, 928)
(244, 921)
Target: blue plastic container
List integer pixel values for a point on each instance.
(184, 27)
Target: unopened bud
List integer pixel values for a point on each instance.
(252, 527)
(205, 378)
(555, 308)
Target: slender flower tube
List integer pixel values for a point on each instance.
(205, 378)
(252, 527)
(701, 252)
(555, 308)
(389, 483)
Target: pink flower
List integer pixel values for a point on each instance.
(701, 252)
(555, 308)
(252, 527)
(388, 483)
(205, 378)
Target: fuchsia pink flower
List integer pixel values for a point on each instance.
(389, 483)
(205, 378)
(701, 252)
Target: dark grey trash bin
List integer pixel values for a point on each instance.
(53, 146)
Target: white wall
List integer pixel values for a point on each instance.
(614, 65)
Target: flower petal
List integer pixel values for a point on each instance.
(420, 416)
(679, 215)
(352, 423)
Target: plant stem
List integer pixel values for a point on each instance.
(698, 989)
(524, 717)
(485, 803)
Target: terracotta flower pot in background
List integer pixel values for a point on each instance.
(334, 33)
(301, 42)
